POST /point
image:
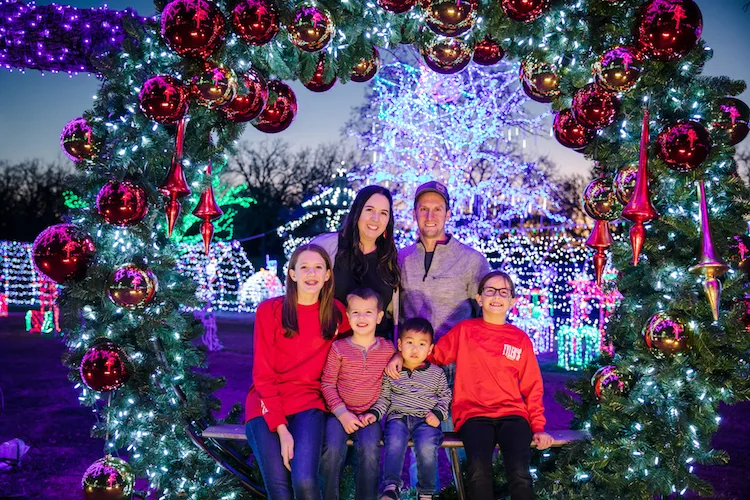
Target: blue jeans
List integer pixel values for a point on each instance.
(367, 446)
(302, 483)
(427, 441)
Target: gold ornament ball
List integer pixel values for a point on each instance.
(666, 334)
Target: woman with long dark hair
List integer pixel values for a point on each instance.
(364, 253)
(285, 410)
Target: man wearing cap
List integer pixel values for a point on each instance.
(439, 274)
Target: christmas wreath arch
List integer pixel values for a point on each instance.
(615, 70)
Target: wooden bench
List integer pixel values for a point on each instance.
(451, 441)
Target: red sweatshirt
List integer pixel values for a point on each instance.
(287, 371)
(497, 374)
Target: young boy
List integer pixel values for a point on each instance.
(351, 384)
(414, 404)
(498, 391)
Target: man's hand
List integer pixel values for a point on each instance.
(287, 445)
(367, 419)
(542, 440)
(432, 419)
(350, 422)
(393, 369)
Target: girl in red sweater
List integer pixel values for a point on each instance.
(497, 399)
(285, 410)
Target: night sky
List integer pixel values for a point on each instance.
(34, 108)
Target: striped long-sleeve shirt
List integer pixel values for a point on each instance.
(353, 375)
(414, 393)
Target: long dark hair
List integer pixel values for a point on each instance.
(385, 245)
(330, 316)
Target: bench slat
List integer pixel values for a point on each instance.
(450, 439)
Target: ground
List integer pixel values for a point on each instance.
(40, 406)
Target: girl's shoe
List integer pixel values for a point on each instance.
(425, 496)
(390, 493)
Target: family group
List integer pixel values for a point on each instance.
(326, 368)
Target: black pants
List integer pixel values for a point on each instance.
(513, 434)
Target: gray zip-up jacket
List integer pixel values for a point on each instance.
(445, 293)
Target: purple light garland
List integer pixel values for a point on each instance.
(58, 37)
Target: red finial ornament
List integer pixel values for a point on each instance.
(600, 239)
(207, 210)
(639, 209)
(175, 186)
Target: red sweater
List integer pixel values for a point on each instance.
(287, 371)
(497, 374)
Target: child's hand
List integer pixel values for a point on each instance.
(367, 419)
(432, 419)
(287, 445)
(394, 366)
(542, 440)
(350, 422)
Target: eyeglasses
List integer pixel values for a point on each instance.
(488, 291)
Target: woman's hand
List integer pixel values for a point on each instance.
(542, 440)
(393, 369)
(287, 445)
(350, 422)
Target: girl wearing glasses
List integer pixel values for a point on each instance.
(497, 398)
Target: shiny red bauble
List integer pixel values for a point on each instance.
(249, 103)
(668, 29)
(451, 17)
(255, 21)
(105, 367)
(619, 69)
(122, 203)
(443, 54)
(569, 132)
(310, 27)
(318, 82)
(280, 110)
(194, 28)
(683, 145)
(524, 10)
(397, 6)
(77, 140)
(366, 69)
(594, 107)
(215, 85)
(164, 99)
(731, 115)
(488, 52)
(539, 80)
(63, 252)
(131, 286)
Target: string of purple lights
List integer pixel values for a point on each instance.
(60, 38)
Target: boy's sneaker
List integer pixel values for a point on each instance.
(425, 496)
(390, 493)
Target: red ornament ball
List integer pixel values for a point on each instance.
(311, 27)
(109, 478)
(569, 132)
(683, 145)
(247, 105)
(255, 21)
(193, 28)
(606, 380)
(668, 29)
(524, 10)
(666, 334)
(451, 17)
(539, 80)
(624, 183)
(619, 69)
(600, 201)
(397, 6)
(164, 99)
(318, 82)
(594, 107)
(122, 203)
(131, 287)
(77, 140)
(280, 110)
(105, 367)
(63, 252)
(731, 115)
(443, 54)
(215, 85)
(488, 52)
(366, 69)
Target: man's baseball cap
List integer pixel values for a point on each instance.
(433, 187)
